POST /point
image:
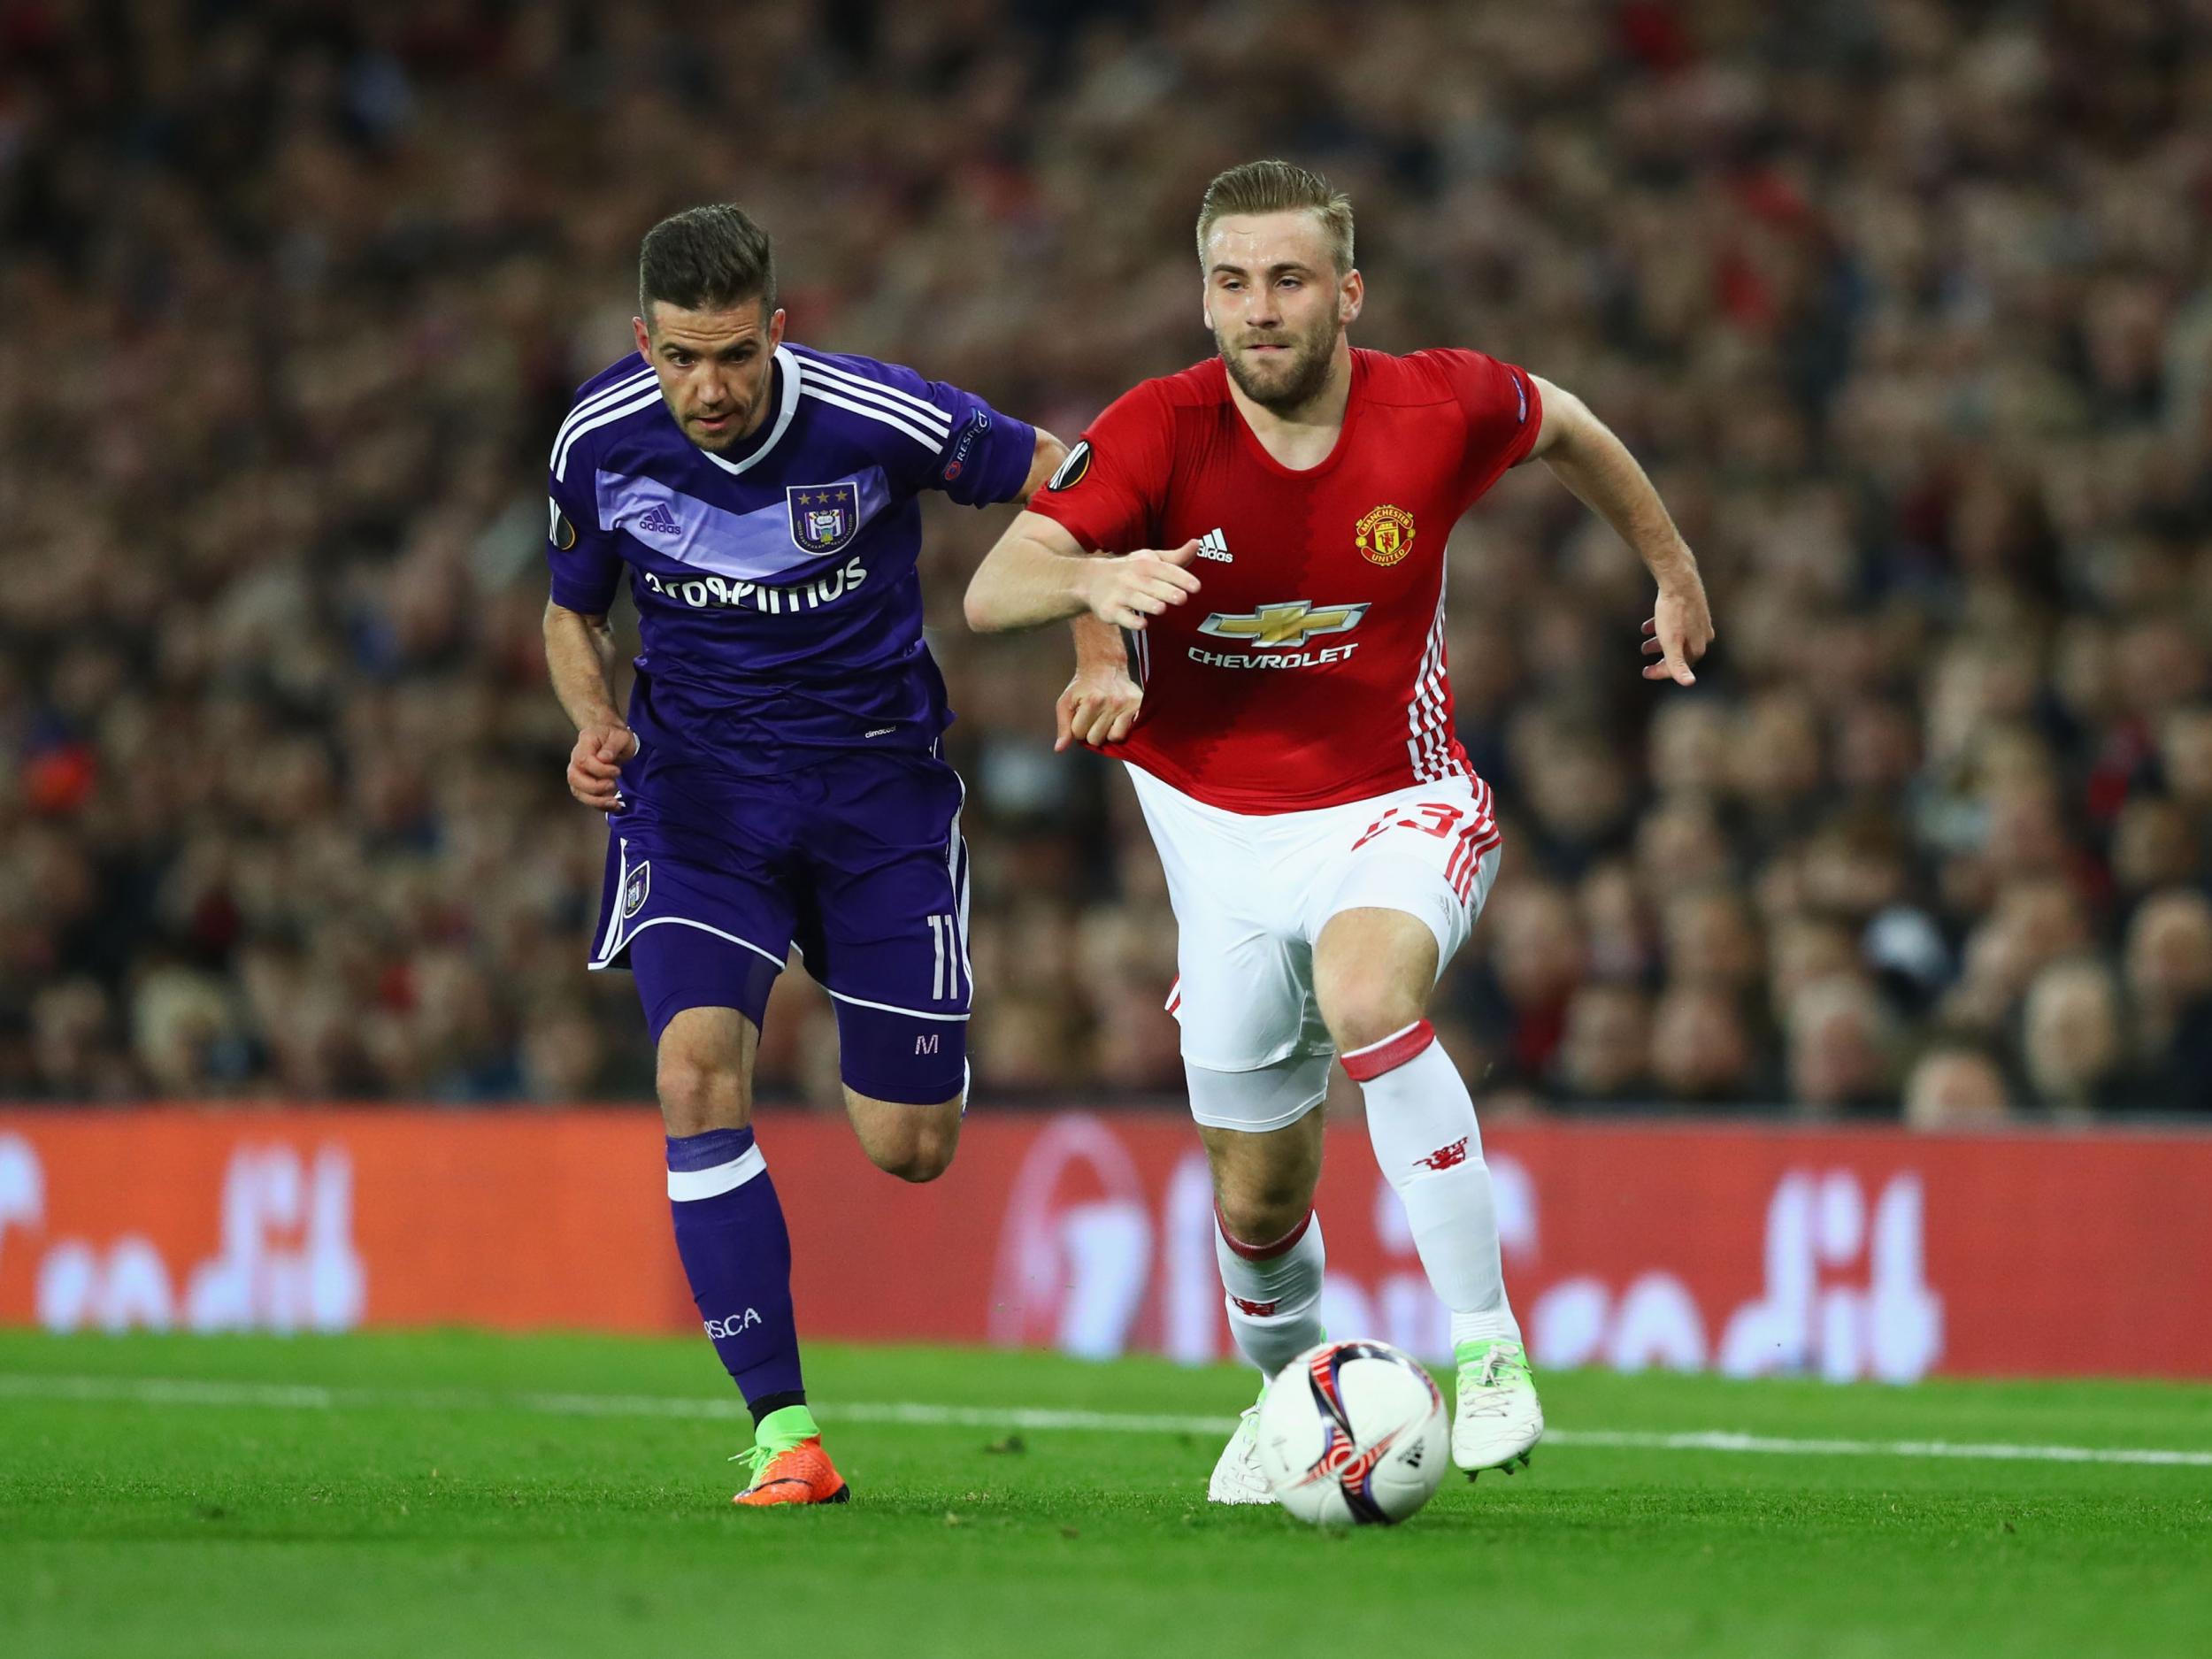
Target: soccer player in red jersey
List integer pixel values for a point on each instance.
(1279, 515)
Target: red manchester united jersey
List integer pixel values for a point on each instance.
(1308, 668)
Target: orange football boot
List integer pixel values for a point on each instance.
(800, 1473)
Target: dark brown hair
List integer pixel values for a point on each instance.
(706, 259)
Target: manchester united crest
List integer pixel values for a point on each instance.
(1385, 535)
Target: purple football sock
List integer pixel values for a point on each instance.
(737, 1254)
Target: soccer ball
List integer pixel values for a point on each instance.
(1354, 1433)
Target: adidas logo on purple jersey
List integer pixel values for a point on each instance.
(659, 520)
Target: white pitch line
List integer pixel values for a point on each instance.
(1721, 1441)
(175, 1392)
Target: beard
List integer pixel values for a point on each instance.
(1293, 380)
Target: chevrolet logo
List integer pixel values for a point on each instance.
(1292, 622)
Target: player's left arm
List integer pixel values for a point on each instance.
(1585, 455)
(981, 457)
(1101, 702)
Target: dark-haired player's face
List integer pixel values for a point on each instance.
(1276, 305)
(713, 367)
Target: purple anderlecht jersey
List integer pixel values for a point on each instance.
(779, 606)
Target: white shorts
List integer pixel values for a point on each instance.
(1252, 893)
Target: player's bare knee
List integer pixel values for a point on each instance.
(703, 1071)
(922, 1159)
(1261, 1213)
(1372, 972)
(697, 1095)
(1358, 1014)
(1260, 1200)
(915, 1143)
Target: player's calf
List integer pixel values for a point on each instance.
(1272, 1293)
(728, 1221)
(1267, 1244)
(1422, 1123)
(1263, 1180)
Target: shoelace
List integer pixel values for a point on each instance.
(1496, 1367)
(755, 1458)
(1247, 1469)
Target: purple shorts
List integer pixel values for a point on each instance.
(857, 862)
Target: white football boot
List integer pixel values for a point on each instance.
(1237, 1477)
(1497, 1421)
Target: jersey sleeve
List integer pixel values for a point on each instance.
(585, 560)
(944, 438)
(1502, 410)
(986, 456)
(1108, 493)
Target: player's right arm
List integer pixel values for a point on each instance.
(579, 660)
(1039, 573)
(579, 645)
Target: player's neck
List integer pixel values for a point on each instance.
(1302, 437)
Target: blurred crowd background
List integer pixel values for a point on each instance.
(1907, 306)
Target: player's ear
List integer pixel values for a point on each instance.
(644, 340)
(1351, 297)
(775, 328)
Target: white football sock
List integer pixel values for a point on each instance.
(1274, 1293)
(1422, 1121)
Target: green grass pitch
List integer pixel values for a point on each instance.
(460, 1494)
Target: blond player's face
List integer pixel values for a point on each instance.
(714, 367)
(1276, 305)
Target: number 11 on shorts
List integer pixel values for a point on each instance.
(944, 980)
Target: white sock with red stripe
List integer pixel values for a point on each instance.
(1274, 1293)
(1422, 1121)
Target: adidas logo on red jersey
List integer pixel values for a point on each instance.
(1214, 545)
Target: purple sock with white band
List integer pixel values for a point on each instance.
(737, 1254)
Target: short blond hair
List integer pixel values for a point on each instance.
(1277, 187)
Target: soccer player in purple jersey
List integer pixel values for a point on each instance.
(777, 781)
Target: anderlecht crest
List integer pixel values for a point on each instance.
(823, 516)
